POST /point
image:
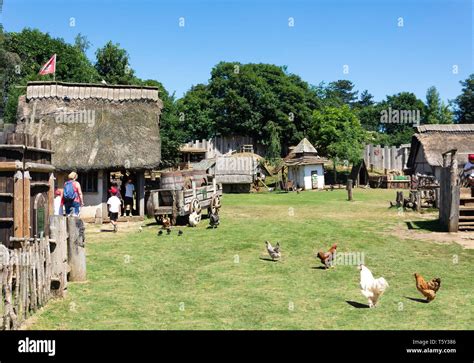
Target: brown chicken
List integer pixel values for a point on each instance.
(166, 222)
(428, 289)
(327, 257)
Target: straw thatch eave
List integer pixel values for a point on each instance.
(435, 143)
(95, 133)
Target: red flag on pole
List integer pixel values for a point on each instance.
(49, 67)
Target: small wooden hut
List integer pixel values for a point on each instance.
(359, 174)
(305, 166)
(96, 130)
(431, 141)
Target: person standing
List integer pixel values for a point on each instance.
(58, 203)
(73, 199)
(129, 190)
(114, 205)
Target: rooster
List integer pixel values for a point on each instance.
(327, 257)
(274, 252)
(214, 220)
(428, 289)
(166, 222)
(371, 288)
(193, 219)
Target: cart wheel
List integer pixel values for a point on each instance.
(196, 207)
(215, 205)
(158, 219)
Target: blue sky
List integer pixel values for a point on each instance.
(327, 34)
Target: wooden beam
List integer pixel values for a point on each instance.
(11, 165)
(51, 195)
(18, 204)
(26, 204)
(39, 168)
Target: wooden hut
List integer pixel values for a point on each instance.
(96, 130)
(431, 141)
(359, 174)
(305, 166)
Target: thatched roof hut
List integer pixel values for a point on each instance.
(96, 130)
(304, 154)
(94, 126)
(305, 166)
(431, 141)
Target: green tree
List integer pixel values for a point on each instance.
(400, 133)
(171, 133)
(273, 143)
(113, 64)
(436, 112)
(340, 93)
(194, 110)
(338, 134)
(465, 102)
(34, 48)
(82, 43)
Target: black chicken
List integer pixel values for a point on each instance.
(214, 220)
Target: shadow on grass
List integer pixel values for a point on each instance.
(417, 300)
(357, 305)
(268, 259)
(106, 230)
(431, 226)
(319, 268)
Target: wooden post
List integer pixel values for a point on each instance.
(59, 250)
(349, 189)
(18, 204)
(51, 195)
(26, 204)
(76, 252)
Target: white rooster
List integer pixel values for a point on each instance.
(371, 288)
(193, 219)
(274, 252)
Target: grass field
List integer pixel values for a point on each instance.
(216, 279)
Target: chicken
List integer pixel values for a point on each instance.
(180, 233)
(166, 222)
(193, 219)
(371, 288)
(428, 289)
(274, 252)
(214, 220)
(327, 257)
(160, 232)
(168, 230)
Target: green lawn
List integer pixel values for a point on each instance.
(216, 279)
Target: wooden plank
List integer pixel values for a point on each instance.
(11, 165)
(18, 204)
(39, 168)
(26, 204)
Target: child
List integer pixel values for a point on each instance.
(58, 203)
(114, 205)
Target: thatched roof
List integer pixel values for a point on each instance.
(94, 126)
(434, 140)
(303, 154)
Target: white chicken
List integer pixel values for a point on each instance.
(371, 288)
(274, 252)
(194, 219)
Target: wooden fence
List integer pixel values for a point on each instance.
(25, 274)
(39, 269)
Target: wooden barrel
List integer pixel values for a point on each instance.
(172, 180)
(197, 176)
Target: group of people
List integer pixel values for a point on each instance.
(70, 199)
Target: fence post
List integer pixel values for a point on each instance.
(349, 189)
(59, 247)
(76, 252)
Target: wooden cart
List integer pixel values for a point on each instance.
(179, 204)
